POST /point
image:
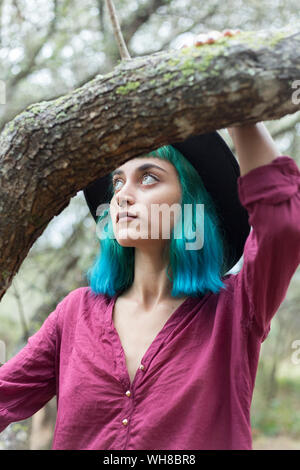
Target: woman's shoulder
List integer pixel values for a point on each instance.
(80, 301)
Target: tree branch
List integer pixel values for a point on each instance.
(141, 16)
(55, 148)
(117, 30)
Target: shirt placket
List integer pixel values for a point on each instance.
(120, 368)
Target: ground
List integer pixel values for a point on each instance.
(275, 443)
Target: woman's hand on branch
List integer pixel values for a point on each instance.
(210, 38)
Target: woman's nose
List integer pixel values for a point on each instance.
(124, 199)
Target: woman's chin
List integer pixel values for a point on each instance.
(132, 238)
(124, 239)
(126, 242)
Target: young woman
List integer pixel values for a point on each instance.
(160, 350)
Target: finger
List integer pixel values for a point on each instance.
(215, 35)
(230, 32)
(207, 38)
(200, 39)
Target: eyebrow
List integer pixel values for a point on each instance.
(140, 168)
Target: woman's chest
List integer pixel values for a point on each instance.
(136, 333)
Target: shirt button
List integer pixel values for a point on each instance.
(125, 421)
(128, 393)
(142, 367)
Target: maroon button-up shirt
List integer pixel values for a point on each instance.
(194, 387)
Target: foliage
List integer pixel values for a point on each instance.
(48, 48)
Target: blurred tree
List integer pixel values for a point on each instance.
(73, 140)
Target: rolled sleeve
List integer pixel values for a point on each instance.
(271, 195)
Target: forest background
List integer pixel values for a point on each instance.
(49, 48)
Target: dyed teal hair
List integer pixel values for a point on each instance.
(195, 272)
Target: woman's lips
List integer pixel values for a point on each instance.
(127, 218)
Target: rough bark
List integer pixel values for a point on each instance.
(55, 148)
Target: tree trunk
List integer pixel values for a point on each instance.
(55, 148)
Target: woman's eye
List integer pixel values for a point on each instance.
(153, 177)
(115, 183)
(146, 175)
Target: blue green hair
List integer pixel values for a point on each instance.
(194, 272)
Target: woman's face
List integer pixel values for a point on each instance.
(147, 188)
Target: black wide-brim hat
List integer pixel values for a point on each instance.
(219, 170)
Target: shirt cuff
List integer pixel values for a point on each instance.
(272, 183)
